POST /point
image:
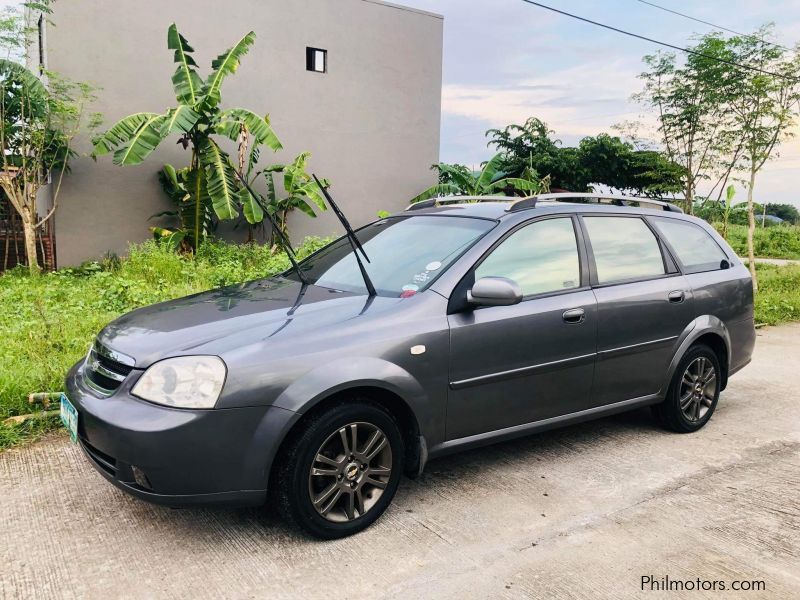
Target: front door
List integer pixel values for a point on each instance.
(512, 365)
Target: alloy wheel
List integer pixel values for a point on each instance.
(350, 471)
(698, 388)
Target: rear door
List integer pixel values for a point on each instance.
(512, 365)
(644, 304)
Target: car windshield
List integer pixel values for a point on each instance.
(406, 254)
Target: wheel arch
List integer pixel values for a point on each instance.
(377, 380)
(414, 442)
(709, 330)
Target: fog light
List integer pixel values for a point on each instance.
(140, 478)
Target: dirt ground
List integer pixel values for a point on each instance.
(581, 512)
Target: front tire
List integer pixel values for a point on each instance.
(340, 473)
(693, 393)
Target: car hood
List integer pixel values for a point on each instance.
(230, 317)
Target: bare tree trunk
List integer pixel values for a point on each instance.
(9, 233)
(725, 219)
(751, 227)
(689, 198)
(29, 231)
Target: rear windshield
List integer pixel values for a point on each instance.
(406, 254)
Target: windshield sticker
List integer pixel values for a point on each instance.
(408, 294)
(421, 277)
(410, 287)
(432, 266)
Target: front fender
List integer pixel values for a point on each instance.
(701, 326)
(349, 373)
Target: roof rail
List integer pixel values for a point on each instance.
(616, 199)
(431, 202)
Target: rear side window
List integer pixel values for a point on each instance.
(541, 257)
(695, 248)
(624, 248)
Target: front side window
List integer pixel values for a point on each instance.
(541, 257)
(624, 248)
(695, 248)
(406, 254)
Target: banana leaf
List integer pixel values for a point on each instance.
(121, 132)
(185, 81)
(225, 64)
(143, 142)
(220, 179)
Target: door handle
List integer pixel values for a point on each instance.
(573, 315)
(676, 297)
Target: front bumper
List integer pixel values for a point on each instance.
(178, 457)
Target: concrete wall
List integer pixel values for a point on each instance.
(371, 122)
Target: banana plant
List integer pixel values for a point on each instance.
(178, 184)
(300, 192)
(730, 209)
(457, 180)
(197, 120)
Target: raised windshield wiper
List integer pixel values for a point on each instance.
(287, 246)
(351, 235)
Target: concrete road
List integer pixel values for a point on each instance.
(581, 512)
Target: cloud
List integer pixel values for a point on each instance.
(580, 100)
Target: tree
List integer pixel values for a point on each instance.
(530, 146)
(602, 159)
(764, 104)
(690, 102)
(40, 119)
(457, 180)
(197, 119)
(609, 161)
(787, 212)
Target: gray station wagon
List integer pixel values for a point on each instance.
(472, 321)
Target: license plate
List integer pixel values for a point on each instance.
(69, 417)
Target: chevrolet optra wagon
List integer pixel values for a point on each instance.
(490, 319)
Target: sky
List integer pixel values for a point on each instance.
(505, 60)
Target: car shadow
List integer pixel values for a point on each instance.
(468, 467)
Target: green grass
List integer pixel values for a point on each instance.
(48, 322)
(777, 241)
(778, 298)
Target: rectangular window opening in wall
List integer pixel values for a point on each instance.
(316, 60)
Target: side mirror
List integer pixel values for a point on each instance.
(724, 264)
(494, 291)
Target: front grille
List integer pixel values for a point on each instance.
(105, 370)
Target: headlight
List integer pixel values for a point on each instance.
(185, 382)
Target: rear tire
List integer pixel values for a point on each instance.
(693, 392)
(340, 472)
